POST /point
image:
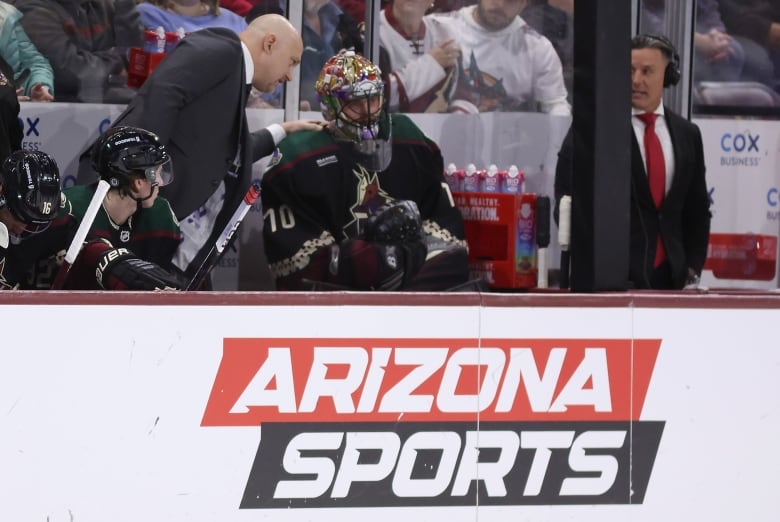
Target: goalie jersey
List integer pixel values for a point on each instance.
(317, 200)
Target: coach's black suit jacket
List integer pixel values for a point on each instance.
(194, 101)
(683, 218)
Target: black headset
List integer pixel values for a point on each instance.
(672, 72)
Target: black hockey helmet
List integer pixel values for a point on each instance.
(31, 186)
(124, 151)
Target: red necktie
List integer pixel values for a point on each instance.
(656, 173)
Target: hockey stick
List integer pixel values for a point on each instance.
(81, 233)
(218, 248)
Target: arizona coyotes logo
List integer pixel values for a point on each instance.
(484, 90)
(368, 196)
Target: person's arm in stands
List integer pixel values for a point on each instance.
(750, 18)
(128, 29)
(549, 88)
(714, 45)
(39, 86)
(74, 66)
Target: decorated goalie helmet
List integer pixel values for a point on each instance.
(123, 152)
(31, 188)
(351, 94)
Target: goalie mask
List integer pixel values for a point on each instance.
(31, 188)
(351, 94)
(124, 152)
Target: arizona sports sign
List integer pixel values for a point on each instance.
(440, 422)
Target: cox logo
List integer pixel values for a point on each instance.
(30, 126)
(31, 134)
(739, 142)
(773, 197)
(104, 124)
(68, 181)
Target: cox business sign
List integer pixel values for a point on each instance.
(741, 149)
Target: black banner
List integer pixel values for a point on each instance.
(308, 465)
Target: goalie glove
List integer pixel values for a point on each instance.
(364, 265)
(395, 222)
(120, 269)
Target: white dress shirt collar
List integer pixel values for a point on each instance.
(658, 110)
(249, 65)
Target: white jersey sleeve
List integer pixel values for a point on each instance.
(417, 82)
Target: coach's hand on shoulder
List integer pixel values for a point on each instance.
(298, 125)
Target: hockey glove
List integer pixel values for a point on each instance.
(388, 254)
(395, 222)
(120, 269)
(363, 265)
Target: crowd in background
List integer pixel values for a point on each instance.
(76, 51)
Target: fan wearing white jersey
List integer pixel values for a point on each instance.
(506, 65)
(419, 58)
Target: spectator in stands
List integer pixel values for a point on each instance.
(418, 57)
(363, 205)
(326, 30)
(86, 43)
(241, 7)
(446, 6)
(257, 99)
(718, 54)
(506, 64)
(22, 56)
(263, 7)
(10, 128)
(356, 8)
(554, 19)
(758, 21)
(188, 15)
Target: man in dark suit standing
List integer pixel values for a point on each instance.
(195, 100)
(670, 217)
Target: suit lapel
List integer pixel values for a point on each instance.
(679, 158)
